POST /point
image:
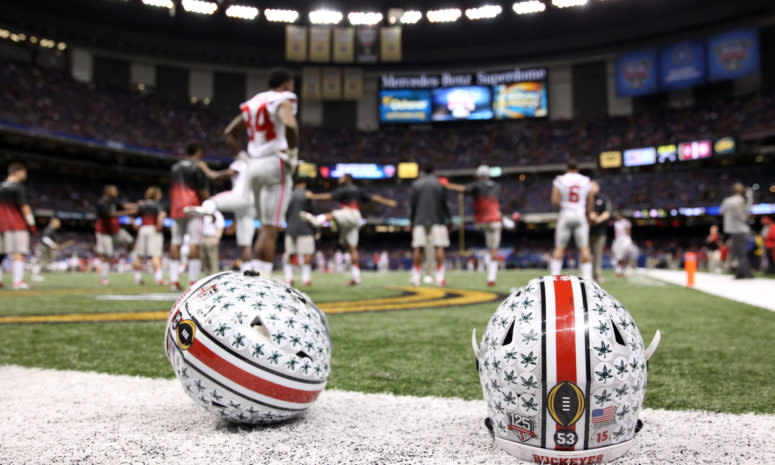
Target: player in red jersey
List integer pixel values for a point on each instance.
(107, 229)
(16, 222)
(487, 213)
(269, 119)
(189, 188)
(150, 240)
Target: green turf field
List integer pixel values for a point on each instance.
(715, 354)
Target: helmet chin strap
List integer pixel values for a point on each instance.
(654, 344)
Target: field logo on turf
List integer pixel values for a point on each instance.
(185, 332)
(565, 403)
(523, 427)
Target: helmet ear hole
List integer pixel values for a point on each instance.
(617, 334)
(258, 325)
(509, 335)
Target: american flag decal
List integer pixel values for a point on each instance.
(599, 415)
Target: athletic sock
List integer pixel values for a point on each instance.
(245, 266)
(440, 273)
(174, 264)
(306, 273)
(17, 269)
(35, 270)
(288, 272)
(265, 268)
(104, 269)
(492, 271)
(618, 269)
(194, 268)
(586, 271)
(157, 275)
(138, 276)
(415, 274)
(555, 266)
(356, 273)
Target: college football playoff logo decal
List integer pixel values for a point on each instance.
(185, 332)
(565, 403)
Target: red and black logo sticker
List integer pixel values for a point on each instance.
(185, 332)
(565, 403)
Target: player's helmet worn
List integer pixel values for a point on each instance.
(483, 171)
(563, 370)
(247, 348)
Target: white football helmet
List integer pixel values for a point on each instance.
(250, 349)
(563, 370)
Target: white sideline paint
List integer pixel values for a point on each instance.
(153, 296)
(50, 416)
(758, 291)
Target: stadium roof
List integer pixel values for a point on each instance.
(188, 30)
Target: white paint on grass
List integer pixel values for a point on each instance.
(758, 292)
(49, 416)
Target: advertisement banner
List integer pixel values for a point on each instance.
(682, 65)
(295, 43)
(353, 83)
(311, 85)
(611, 159)
(520, 100)
(733, 54)
(405, 106)
(390, 43)
(640, 157)
(694, 150)
(344, 45)
(359, 171)
(319, 44)
(366, 45)
(332, 83)
(636, 73)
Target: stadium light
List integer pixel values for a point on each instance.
(159, 3)
(411, 17)
(61, 46)
(568, 3)
(281, 16)
(242, 12)
(528, 7)
(484, 12)
(325, 17)
(199, 7)
(364, 18)
(5, 33)
(447, 15)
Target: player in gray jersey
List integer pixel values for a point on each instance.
(347, 217)
(299, 235)
(429, 213)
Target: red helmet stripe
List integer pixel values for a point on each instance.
(249, 381)
(565, 334)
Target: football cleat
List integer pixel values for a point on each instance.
(175, 286)
(310, 218)
(105, 281)
(249, 349)
(563, 370)
(206, 209)
(490, 283)
(20, 286)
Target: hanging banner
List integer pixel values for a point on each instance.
(319, 44)
(390, 43)
(353, 83)
(636, 73)
(344, 45)
(311, 85)
(367, 45)
(295, 43)
(332, 83)
(733, 54)
(682, 65)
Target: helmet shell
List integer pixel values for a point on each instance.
(247, 348)
(563, 370)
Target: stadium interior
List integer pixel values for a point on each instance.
(665, 104)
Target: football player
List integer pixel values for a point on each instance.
(269, 119)
(299, 235)
(150, 240)
(622, 247)
(238, 200)
(189, 189)
(429, 214)
(347, 217)
(487, 214)
(108, 231)
(16, 222)
(573, 193)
